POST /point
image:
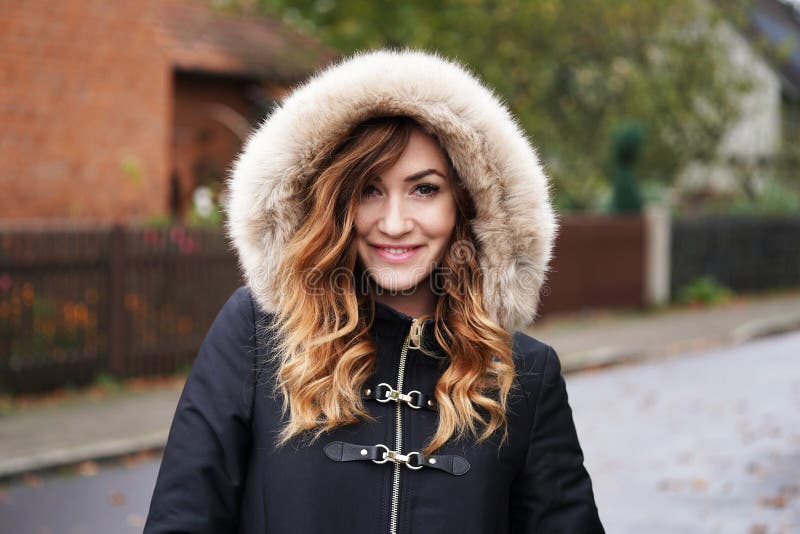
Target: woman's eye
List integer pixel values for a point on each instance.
(368, 191)
(427, 190)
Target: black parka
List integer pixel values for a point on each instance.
(222, 473)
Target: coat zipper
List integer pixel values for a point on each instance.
(414, 335)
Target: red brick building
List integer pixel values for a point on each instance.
(116, 111)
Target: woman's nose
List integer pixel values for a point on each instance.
(395, 218)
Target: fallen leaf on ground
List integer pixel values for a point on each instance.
(670, 485)
(136, 521)
(778, 501)
(31, 479)
(133, 460)
(87, 469)
(756, 469)
(117, 498)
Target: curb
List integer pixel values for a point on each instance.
(778, 324)
(610, 356)
(105, 450)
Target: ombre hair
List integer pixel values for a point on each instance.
(322, 317)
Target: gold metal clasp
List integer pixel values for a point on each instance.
(395, 457)
(415, 336)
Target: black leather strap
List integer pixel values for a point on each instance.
(449, 463)
(341, 451)
(418, 398)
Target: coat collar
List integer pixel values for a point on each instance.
(388, 313)
(391, 322)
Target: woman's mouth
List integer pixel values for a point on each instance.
(396, 254)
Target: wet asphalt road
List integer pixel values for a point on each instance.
(102, 500)
(701, 443)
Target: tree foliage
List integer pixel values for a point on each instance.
(571, 71)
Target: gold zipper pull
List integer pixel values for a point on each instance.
(415, 336)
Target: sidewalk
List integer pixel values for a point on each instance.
(35, 439)
(597, 339)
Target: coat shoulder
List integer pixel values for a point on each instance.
(530, 353)
(240, 302)
(236, 315)
(238, 328)
(243, 304)
(532, 357)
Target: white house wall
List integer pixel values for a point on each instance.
(756, 134)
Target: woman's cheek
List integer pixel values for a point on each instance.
(442, 217)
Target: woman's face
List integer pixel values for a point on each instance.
(405, 218)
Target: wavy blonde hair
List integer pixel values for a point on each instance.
(321, 322)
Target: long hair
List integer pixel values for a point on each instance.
(322, 317)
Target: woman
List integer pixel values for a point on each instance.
(394, 227)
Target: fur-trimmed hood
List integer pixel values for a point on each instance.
(515, 223)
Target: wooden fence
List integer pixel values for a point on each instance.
(75, 303)
(598, 263)
(123, 301)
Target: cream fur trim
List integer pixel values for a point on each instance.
(515, 224)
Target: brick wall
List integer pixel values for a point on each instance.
(85, 106)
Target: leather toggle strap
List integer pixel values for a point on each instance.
(384, 392)
(341, 451)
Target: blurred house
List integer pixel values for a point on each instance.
(766, 45)
(117, 111)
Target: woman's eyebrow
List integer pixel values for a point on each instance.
(417, 175)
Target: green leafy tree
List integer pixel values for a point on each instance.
(570, 70)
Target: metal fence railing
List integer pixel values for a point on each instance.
(744, 253)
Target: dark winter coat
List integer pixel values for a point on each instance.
(221, 473)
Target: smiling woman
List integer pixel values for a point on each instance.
(406, 217)
(394, 227)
